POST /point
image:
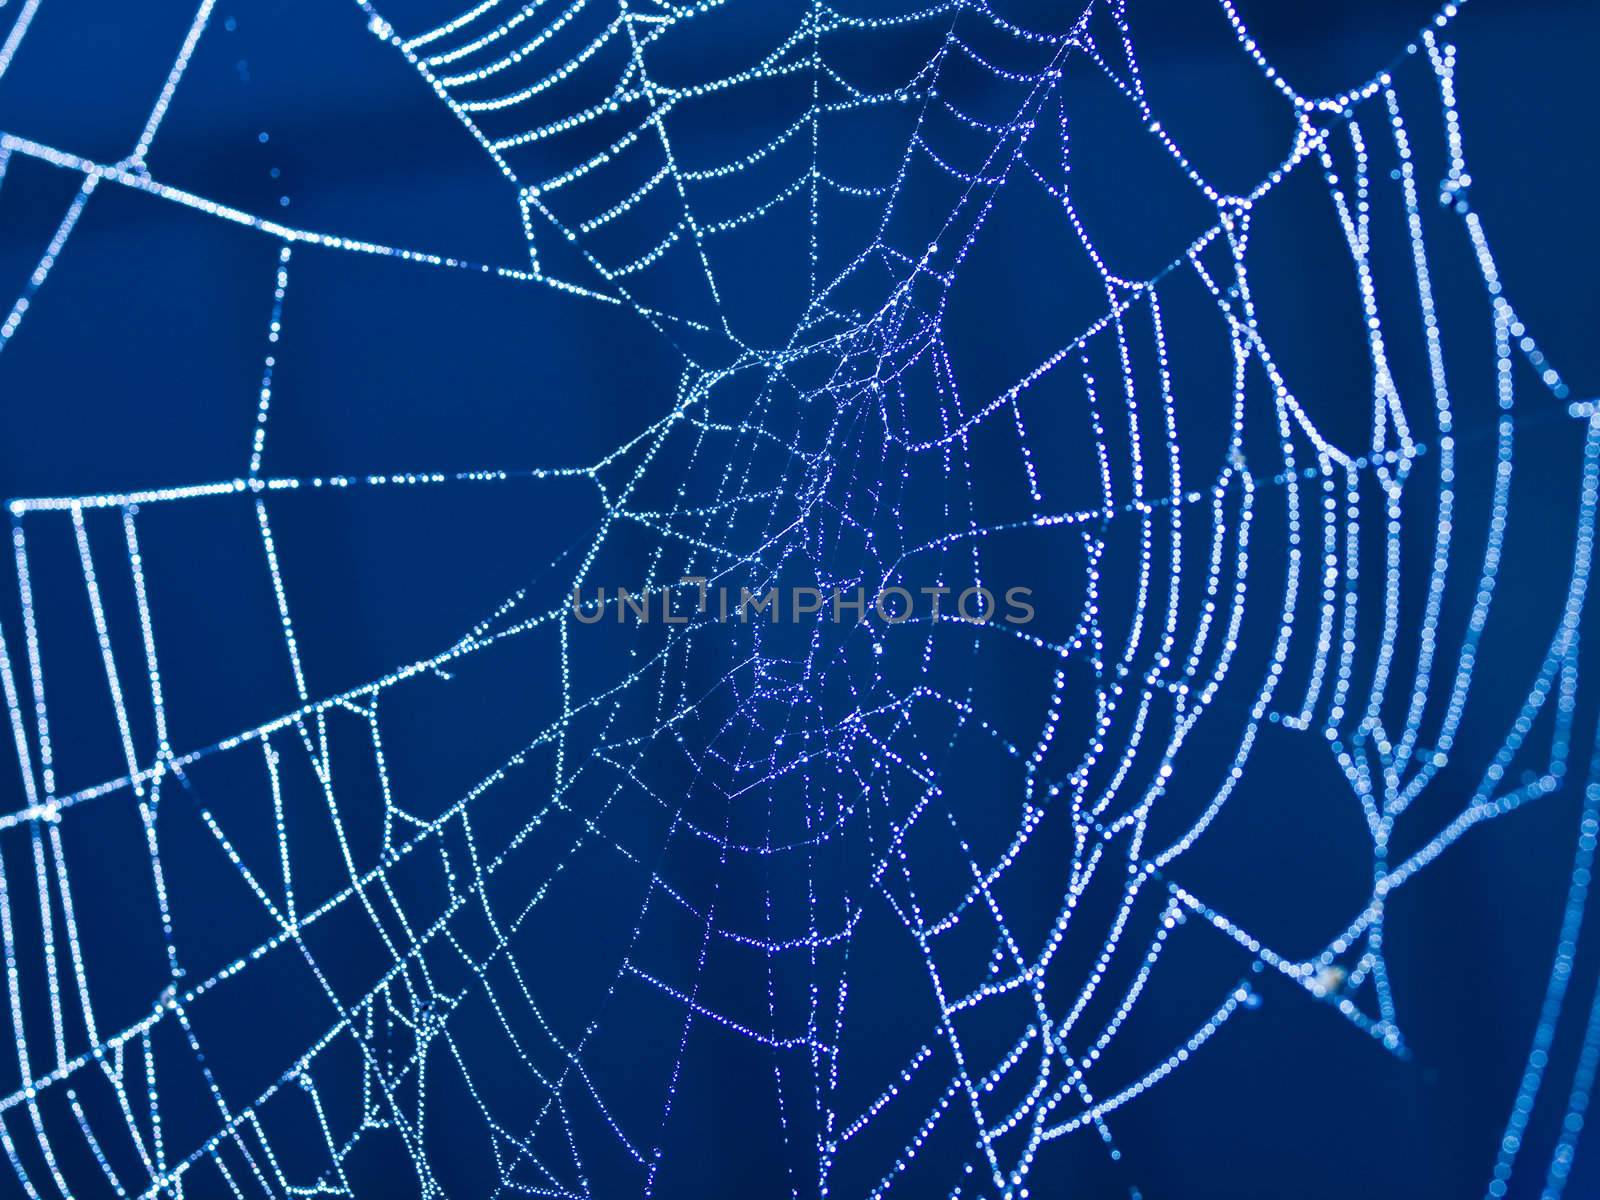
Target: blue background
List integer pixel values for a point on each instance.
(138, 366)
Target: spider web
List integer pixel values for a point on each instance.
(929, 903)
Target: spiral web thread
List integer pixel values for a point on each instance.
(824, 450)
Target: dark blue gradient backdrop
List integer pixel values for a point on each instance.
(454, 897)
